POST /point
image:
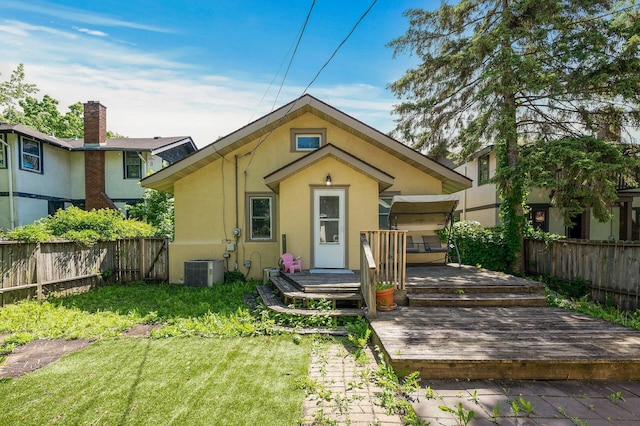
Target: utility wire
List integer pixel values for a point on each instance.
(252, 152)
(296, 43)
(339, 46)
(292, 56)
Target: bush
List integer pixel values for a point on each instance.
(483, 247)
(78, 225)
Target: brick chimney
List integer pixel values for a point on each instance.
(95, 136)
(95, 123)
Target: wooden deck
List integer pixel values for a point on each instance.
(497, 342)
(506, 343)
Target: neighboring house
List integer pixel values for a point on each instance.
(40, 174)
(481, 203)
(306, 179)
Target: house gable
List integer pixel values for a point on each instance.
(273, 180)
(262, 128)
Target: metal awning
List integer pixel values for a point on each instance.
(422, 210)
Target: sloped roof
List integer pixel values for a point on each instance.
(164, 179)
(156, 145)
(28, 131)
(273, 179)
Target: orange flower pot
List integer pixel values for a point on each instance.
(384, 297)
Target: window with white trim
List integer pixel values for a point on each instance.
(132, 165)
(261, 218)
(307, 139)
(31, 155)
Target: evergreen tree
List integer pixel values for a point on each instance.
(509, 72)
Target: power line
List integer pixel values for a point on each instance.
(339, 46)
(252, 152)
(296, 43)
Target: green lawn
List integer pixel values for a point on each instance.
(210, 362)
(181, 381)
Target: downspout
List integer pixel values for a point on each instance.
(10, 171)
(464, 199)
(236, 267)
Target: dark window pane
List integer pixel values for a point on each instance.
(308, 141)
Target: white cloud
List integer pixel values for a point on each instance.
(77, 15)
(92, 32)
(159, 94)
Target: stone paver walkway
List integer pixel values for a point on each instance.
(557, 403)
(344, 391)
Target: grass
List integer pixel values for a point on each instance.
(108, 311)
(175, 377)
(164, 381)
(585, 306)
(209, 360)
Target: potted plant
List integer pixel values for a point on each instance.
(384, 296)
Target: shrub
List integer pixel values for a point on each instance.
(478, 246)
(78, 225)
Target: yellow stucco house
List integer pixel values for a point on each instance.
(306, 178)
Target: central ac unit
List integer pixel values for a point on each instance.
(200, 273)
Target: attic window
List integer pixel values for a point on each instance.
(307, 139)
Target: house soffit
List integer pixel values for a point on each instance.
(273, 179)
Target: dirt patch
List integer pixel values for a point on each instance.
(141, 330)
(37, 354)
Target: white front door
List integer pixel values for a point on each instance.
(328, 222)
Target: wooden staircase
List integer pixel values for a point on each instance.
(477, 294)
(291, 293)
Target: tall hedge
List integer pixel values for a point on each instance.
(482, 247)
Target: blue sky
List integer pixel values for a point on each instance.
(202, 68)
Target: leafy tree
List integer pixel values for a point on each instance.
(157, 209)
(579, 172)
(12, 92)
(510, 72)
(44, 116)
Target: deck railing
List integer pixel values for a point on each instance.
(367, 275)
(382, 259)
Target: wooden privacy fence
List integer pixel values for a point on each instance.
(612, 268)
(29, 269)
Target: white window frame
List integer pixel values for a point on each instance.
(270, 217)
(126, 165)
(297, 134)
(31, 157)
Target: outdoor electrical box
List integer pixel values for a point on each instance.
(231, 246)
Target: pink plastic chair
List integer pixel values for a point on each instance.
(291, 265)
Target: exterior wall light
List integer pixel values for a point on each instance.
(328, 181)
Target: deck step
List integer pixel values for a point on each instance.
(318, 284)
(468, 300)
(529, 288)
(292, 293)
(272, 302)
